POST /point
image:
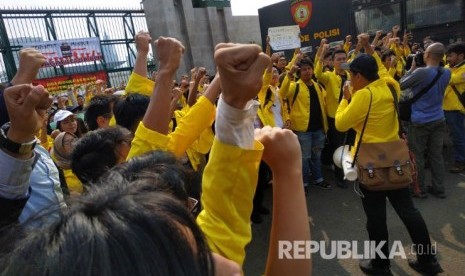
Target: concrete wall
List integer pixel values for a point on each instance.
(199, 29)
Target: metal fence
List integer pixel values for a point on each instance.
(114, 28)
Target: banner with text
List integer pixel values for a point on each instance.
(284, 37)
(70, 51)
(62, 83)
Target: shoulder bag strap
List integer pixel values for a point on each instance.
(396, 107)
(296, 93)
(363, 130)
(424, 90)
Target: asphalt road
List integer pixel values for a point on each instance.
(337, 214)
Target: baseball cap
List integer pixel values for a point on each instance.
(364, 64)
(61, 115)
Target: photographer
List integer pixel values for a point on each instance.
(427, 124)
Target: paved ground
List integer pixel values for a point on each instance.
(337, 214)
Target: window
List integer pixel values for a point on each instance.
(370, 20)
(422, 13)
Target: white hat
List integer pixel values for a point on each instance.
(119, 92)
(61, 115)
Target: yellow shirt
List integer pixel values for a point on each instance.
(333, 84)
(382, 124)
(451, 101)
(228, 186)
(199, 117)
(300, 109)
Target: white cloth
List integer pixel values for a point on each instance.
(235, 126)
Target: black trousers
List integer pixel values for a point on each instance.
(264, 176)
(374, 204)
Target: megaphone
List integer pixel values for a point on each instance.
(342, 158)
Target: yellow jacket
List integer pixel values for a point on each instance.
(451, 101)
(201, 146)
(300, 109)
(225, 218)
(73, 183)
(139, 84)
(199, 117)
(333, 84)
(382, 125)
(228, 186)
(265, 114)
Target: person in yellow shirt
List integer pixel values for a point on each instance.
(306, 99)
(370, 93)
(454, 110)
(333, 82)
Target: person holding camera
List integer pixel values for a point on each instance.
(427, 125)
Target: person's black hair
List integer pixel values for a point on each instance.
(328, 54)
(163, 168)
(98, 106)
(81, 126)
(130, 110)
(458, 48)
(78, 132)
(340, 51)
(387, 54)
(96, 153)
(305, 61)
(122, 228)
(378, 49)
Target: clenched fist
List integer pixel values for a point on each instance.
(241, 68)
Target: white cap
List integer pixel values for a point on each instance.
(61, 115)
(119, 92)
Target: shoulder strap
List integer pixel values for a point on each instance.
(363, 130)
(396, 107)
(296, 93)
(424, 90)
(267, 96)
(341, 92)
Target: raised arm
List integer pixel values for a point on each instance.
(234, 157)
(282, 154)
(157, 115)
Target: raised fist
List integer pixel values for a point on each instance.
(27, 108)
(143, 40)
(169, 51)
(241, 68)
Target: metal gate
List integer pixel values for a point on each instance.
(114, 28)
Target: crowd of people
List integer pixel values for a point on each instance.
(165, 178)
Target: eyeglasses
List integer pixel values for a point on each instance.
(193, 205)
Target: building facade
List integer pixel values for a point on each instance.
(200, 25)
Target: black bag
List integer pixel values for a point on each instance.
(405, 107)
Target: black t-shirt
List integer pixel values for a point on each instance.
(316, 119)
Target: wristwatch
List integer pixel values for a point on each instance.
(13, 147)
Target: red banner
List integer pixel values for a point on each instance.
(62, 83)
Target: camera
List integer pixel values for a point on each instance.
(419, 61)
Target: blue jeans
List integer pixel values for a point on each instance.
(311, 145)
(455, 122)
